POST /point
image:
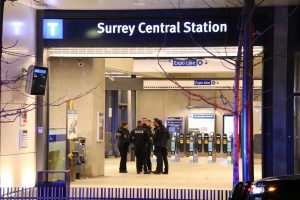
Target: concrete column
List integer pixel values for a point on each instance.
(108, 107)
(279, 138)
(69, 81)
(123, 100)
(131, 109)
(42, 113)
(97, 149)
(1, 43)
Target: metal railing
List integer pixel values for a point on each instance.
(62, 193)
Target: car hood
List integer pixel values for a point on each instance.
(281, 178)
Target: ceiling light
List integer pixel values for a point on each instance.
(194, 107)
(149, 52)
(138, 4)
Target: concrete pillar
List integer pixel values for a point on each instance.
(108, 107)
(97, 149)
(123, 100)
(42, 116)
(131, 109)
(68, 80)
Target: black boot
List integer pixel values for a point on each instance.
(156, 172)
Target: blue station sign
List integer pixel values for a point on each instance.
(135, 32)
(53, 28)
(204, 82)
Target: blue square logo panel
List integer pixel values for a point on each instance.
(52, 28)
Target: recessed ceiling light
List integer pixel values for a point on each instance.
(139, 4)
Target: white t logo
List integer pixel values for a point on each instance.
(52, 26)
(17, 27)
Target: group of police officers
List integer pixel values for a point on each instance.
(144, 137)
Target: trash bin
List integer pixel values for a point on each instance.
(54, 188)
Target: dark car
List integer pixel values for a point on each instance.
(273, 188)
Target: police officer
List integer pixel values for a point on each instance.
(147, 126)
(166, 137)
(140, 138)
(158, 145)
(123, 144)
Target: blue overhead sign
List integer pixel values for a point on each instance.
(134, 32)
(191, 62)
(97, 29)
(204, 82)
(52, 28)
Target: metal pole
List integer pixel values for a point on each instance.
(235, 150)
(247, 129)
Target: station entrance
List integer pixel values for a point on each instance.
(111, 90)
(182, 75)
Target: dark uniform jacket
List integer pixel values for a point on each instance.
(139, 137)
(122, 136)
(161, 136)
(149, 131)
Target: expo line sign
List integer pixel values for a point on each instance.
(204, 84)
(190, 62)
(54, 28)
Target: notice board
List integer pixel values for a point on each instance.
(202, 122)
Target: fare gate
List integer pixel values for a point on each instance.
(175, 154)
(210, 149)
(218, 143)
(224, 143)
(206, 141)
(199, 142)
(187, 143)
(181, 143)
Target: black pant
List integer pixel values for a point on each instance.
(165, 158)
(148, 157)
(123, 149)
(140, 154)
(158, 153)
